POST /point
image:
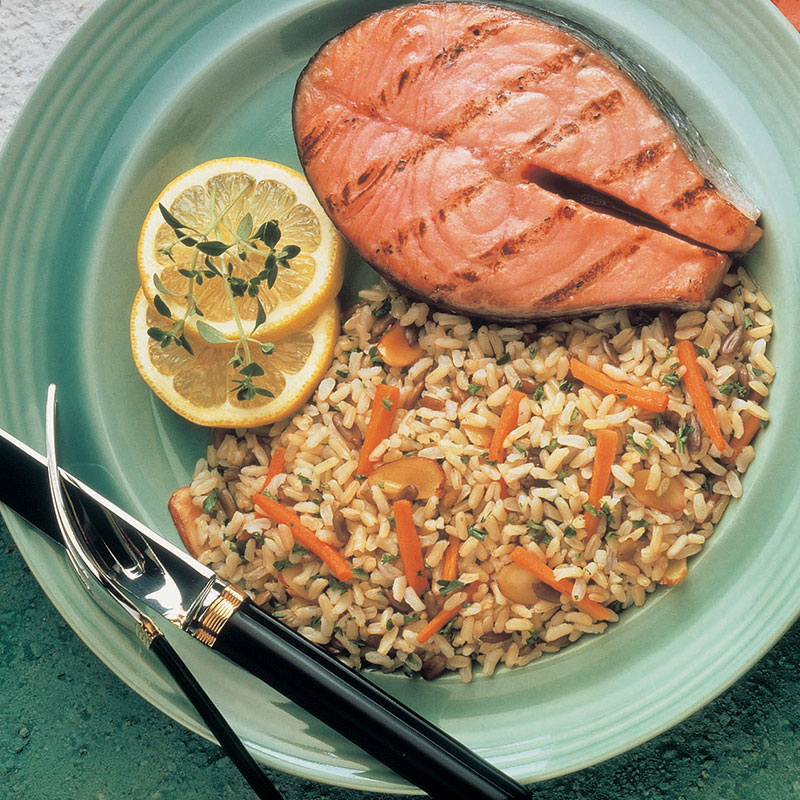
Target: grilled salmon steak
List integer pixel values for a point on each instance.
(437, 135)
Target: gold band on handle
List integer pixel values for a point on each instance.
(217, 614)
(147, 631)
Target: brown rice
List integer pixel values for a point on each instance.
(469, 368)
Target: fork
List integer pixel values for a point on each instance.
(116, 555)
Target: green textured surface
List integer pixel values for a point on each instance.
(71, 730)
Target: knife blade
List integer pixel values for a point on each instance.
(222, 617)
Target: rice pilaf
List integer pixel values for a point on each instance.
(450, 403)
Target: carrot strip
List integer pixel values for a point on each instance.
(277, 465)
(604, 453)
(752, 425)
(450, 565)
(384, 405)
(304, 536)
(507, 423)
(647, 399)
(695, 385)
(409, 546)
(538, 568)
(443, 617)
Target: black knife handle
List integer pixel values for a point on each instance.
(217, 724)
(355, 707)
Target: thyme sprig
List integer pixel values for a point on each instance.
(214, 259)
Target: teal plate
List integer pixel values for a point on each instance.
(146, 90)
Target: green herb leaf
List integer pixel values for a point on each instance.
(212, 248)
(588, 507)
(211, 501)
(671, 379)
(209, 333)
(269, 233)
(245, 226)
(382, 309)
(476, 532)
(504, 359)
(162, 307)
(734, 388)
(446, 587)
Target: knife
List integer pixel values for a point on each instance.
(222, 617)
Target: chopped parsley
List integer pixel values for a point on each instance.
(734, 388)
(473, 389)
(684, 432)
(210, 501)
(504, 359)
(671, 379)
(382, 309)
(446, 587)
(476, 532)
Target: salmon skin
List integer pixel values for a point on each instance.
(432, 134)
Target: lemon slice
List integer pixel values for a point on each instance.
(227, 200)
(198, 387)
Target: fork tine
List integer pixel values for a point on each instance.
(83, 557)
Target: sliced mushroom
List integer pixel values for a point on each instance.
(288, 576)
(518, 585)
(424, 474)
(676, 572)
(225, 499)
(433, 666)
(670, 501)
(490, 637)
(185, 514)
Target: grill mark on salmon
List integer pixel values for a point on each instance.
(432, 165)
(492, 257)
(645, 159)
(694, 195)
(584, 280)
